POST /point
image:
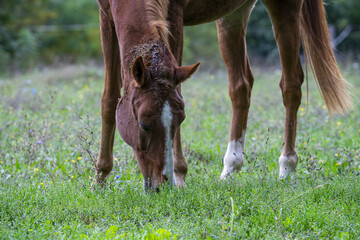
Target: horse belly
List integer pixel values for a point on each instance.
(202, 11)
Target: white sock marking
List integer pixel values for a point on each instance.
(166, 118)
(287, 165)
(234, 156)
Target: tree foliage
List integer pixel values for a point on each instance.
(34, 30)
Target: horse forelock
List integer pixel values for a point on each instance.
(156, 60)
(157, 13)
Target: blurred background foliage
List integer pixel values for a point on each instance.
(35, 33)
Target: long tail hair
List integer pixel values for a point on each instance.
(317, 46)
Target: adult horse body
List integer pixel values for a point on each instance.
(142, 46)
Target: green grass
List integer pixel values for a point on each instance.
(49, 137)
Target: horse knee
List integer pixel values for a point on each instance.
(240, 94)
(108, 107)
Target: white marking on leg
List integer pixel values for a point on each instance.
(287, 165)
(166, 118)
(234, 156)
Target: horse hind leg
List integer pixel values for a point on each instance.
(231, 35)
(285, 17)
(111, 94)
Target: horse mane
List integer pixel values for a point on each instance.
(157, 13)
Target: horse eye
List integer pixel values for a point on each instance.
(144, 127)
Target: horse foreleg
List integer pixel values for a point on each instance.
(175, 17)
(285, 17)
(110, 97)
(232, 42)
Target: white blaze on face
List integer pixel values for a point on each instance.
(234, 156)
(166, 118)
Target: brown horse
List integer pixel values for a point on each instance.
(142, 46)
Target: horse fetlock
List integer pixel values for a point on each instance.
(180, 175)
(232, 164)
(287, 165)
(103, 167)
(234, 157)
(180, 169)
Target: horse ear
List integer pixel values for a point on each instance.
(139, 72)
(183, 73)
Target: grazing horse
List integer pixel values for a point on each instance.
(142, 43)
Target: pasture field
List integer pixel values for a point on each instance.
(49, 136)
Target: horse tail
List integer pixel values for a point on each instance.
(317, 46)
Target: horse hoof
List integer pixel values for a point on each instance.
(230, 169)
(287, 165)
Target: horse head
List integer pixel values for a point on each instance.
(151, 110)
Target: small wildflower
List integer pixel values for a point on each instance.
(90, 177)
(324, 106)
(36, 169)
(302, 109)
(301, 114)
(338, 123)
(31, 176)
(116, 159)
(2, 162)
(336, 155)
(338, 164)
(86, 159)
(39, 142)
(66, 160)
(74, 161)
(30, 131)
(79, 158)
(117, 176)
(42, 184)
(72, 176)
